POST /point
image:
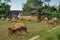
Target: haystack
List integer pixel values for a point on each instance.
(7, 19)
(50, 23)
(45, 20)
(17, 27)
(22, 26)
(19, 21)
(55, 20)
(13, 19)
(2, 18)
(13, 25)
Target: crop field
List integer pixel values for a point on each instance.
(34, 29)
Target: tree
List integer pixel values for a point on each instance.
(58, 12)
(47, 1)
(59, 7)
(0, 0)
(6, 1)
(26, 7)
(4, 9)
(34, 4)
(7, 9)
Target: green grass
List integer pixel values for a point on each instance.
(24, 21)
(34, 21)
(34, 29)
(31, 29)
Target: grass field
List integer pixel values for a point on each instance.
(34, 29)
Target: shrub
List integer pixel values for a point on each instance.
(50, 15)
(58, 16)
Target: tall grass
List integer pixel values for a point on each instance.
(58, 34)
(33, 30)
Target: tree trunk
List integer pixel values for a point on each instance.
(39, 15)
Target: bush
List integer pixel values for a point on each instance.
(50, 15)
(58, 16)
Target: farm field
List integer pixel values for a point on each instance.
(34, 29)
(29, 20)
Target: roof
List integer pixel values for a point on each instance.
(16, 11)
(34, 11)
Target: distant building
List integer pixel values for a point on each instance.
(24, 14)
(34, 12)
(14, 13)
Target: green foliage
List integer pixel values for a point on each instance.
(4, 9)
(58, 16)
(35, 4)
(16, 19)
(47, 7)
(24, 21)
(26, 7)
(33, 21)
(32, 4)
(47, 1)
(50, 15)
(59, 8)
